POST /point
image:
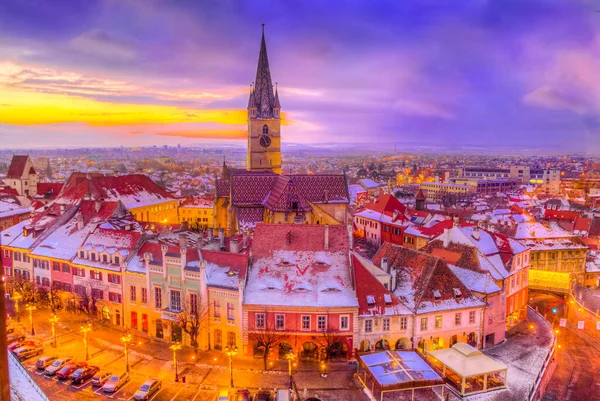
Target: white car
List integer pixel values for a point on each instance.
(115, 382)
(56, 366)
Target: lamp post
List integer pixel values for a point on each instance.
(17, 297)
(86, 328)
(290, 356)
(126, 339)
(30, 308)
(230, 351)
(53, 321)
(175, 347)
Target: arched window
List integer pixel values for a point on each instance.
(265, 129)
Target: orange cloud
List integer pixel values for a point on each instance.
(208, 133)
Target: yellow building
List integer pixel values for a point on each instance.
(197, 212)
(435, 190)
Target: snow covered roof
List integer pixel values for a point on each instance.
(475, 281)
(534, 230)
(8, 209)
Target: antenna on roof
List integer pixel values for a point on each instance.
(263, 28)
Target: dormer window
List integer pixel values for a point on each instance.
(436, 295)
(117, 260)
(457, 293)
(105, 258)
(387, 298)
(82, 254)
(93, 256)
(370, 300)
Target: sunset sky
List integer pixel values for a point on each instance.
(144, 72)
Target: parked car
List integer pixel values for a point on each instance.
(115, 382)
(56, 366)
(147, 389)
(84, 374)
(28, 351)
(11, 338)
(66, 371)
(45, 361)
(18, 344)
(223, 395)
(100, 378)
(242, 395)
(263, 395)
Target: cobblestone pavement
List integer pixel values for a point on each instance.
(205, 374)
(577, 373)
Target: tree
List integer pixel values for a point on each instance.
(90, 301)
(267, 338)
(24, 286)
(49, 297)
(193, 319)
(330, 343)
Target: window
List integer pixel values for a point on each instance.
(438, 322)
(218, 339)
(93, 256)
(368, 325)
(386, 324)
(472, 317)
(134, 323)
(457, 319)
(260, 320)
(96, 275)
(56, 266)
(265, 129)
(66, 287)
(80, 290)
(217, 308)
(193, 304)
(97, 294)
(17, 256)
(409, 240)
(144, 295)
(423, 323)
(6, 253)
(82, 254)
(133, 293)
(105, 258)
(157, 297)
(344, 322)
(403, 323)
(66, 268)
(279, 322)
(114, 297)
(78, 272)
(117, 260)
(305, 322)
(114, 278)
(322, 322)
(230, 311)
(231, 338)
(38, 280)
(175, 301)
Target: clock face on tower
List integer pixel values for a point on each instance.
(265, 141)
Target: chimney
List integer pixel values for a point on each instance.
(234, 245)
(222, 239)
(456, 221)
(384, 265)
(87, 196)
(245, 240)
(183, 252)
(164, 250)
(446, 237)
(393, 274)
(350, 236)
(475, 234)
(79, 219)
(63, 208)
(97, 206)
(115, 173)
(326, 245)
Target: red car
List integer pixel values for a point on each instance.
(82, 375)
(69, 369)
(19, 344)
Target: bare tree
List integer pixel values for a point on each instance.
(90, 301)
(266, 337)
(49, 297)
(193, 319)
(330, 343)
(22, 285)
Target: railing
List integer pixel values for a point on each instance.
(549, 358)
(13, 361)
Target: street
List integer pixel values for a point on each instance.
(577, 373)
(205, 374)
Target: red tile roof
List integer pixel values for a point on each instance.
(561, 215)
(238, 262)
(368, 285)
(285, 197)
(17, 166)
(49, 189)
(297, 237)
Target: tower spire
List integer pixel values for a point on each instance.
(264, 97)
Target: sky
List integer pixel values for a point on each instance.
(511, 73)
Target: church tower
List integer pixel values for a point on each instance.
(264, 124)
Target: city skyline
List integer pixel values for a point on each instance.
(149, 73)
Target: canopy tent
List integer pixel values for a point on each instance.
(468, 369)
(389, 372)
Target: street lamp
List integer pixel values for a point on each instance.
(85, 329)
(290, 358)
(126, 339)
(30, 308)
(53, 321)
(231, 351)
(175, 347)
(17, 297)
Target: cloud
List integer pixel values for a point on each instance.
(553, 98)
(423, 109)
(101, 44)
(208, 133)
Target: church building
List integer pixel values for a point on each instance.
(261, 193)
